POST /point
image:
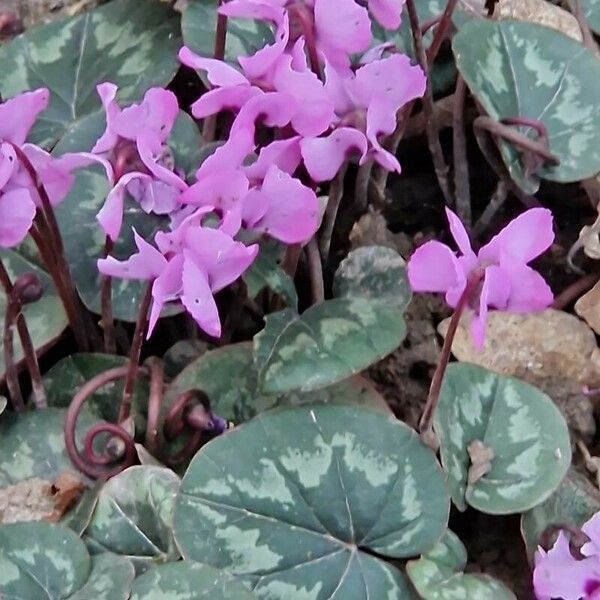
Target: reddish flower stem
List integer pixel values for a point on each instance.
(426, 422)
(316, 271)
(135, 353)
(336, 193)
(300, 13)
(441, 31)
(157, 382)
(462, 191)
(108, 324)
(575, 290)
(39, 393)
(12, 375)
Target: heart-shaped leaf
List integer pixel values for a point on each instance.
(438, 575)
(337, 338)
(591, 13)
(266, 273)
(130, 43)
(84, 239)
(229, 378)
(181, 354)
(65, 378)
(289, 501)
(572, 504)
(525, 70)
(133, 516)
(46, 319)
(519, 431)
(33, 444)
(188, 581)
(244, 36)
(43, 561)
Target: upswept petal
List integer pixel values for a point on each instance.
(523, 239)
(17, 211)
(227, 98)
(172, 241)
(342, 25)
(167, 287)
(381, 120)
(8, 163)
(154, 196)
(18, 115)
(459, 233)
(218, 72)
(529, 290)
(387, 12)
(591, 528)
(108, 140)
(219, 189)
(324, 156)
(149, 148)
(433, 267)
(285, 154)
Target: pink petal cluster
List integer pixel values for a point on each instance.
(311, 125)
(509, 284)
(558, 574)
(19, 196)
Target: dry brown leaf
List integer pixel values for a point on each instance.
(372, 230)
(541, 12)
(66, 490)
(552, 350)
(588, 307)
(481, 460)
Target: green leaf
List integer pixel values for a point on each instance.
(181, 354)
(574, 502)
(3, 404)
(244, 36)
(438, 575)
(337, 338)
(520, 424)
(188, 581)
(133, 516)
(266, 273)
(65, 378)
(44, 561)
(519, 69)
(229, 378)
(127, 42)
(591, 12)
(33, 444)
(84, 239)
(288, 502)
(79, 517)
(46, 319)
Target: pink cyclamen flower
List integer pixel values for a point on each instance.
(366, 106)
(134, 143)
(558, 574)
(509, 284)
(205, 262)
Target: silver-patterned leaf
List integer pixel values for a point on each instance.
(127, 42)
(337, 338)
(46, 319)
(574, 502)
(266, 273)
(133, 516)
(591, 13)
(44, 561)
(288, 501)
(33, 444)
(521, 427)
(518, 69)
(438, 575)
(188, 581)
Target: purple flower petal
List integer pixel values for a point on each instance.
(167, 287)
(460, 235)
(218, 72)
(285, 154)
(18, 114)
(342, 25)
(433, 267)
(17, 210)
(387, 12)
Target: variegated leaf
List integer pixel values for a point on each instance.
(288, 501)
(46, 319)
(43, 561)
(133, 516)
(127, 42)
(591, 12)
(229, 378)
(337, 338)
(188, 581)
(244, 36)
(33, 444)
(182, 353)
(521, 427)
(83, 237)
(518, 69)
(266, 273)
(571, 505)
(438, 575)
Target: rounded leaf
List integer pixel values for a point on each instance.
(518, 428)
(519, 69)
(130, 43)
(133, 516)
(591, 12)
(288, 501)
(188, 581)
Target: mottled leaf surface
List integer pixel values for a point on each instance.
(438, 575)
(188, 581)
(130, 43)
(84, 239)
(263, 273)
(518, 69)
(43, 561)
(46, 318)
(33, 444)
(288, 501)
(229, 378)
(181, 354)
(591, 12)
(574, 502)
(337, 338)
(133, 516)
(520, 424)
(244, 36)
